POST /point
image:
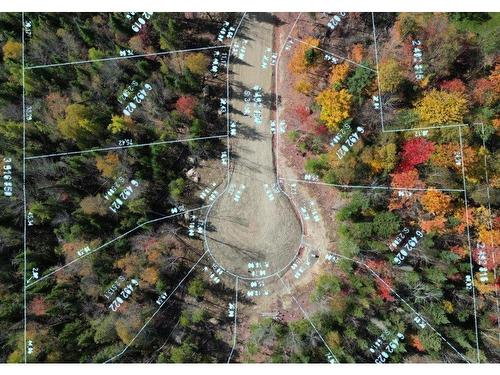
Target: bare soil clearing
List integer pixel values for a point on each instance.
(262, 226)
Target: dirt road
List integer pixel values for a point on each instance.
(252, 230)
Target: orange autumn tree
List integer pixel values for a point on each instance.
(298, 63)
(445, 155)
(12, 50)
(339, 73)
(108, 165)
(489, 236)
(404, 180)
(357, 52)
(186, 105)
(130, 264)
(150, 275)
(434, 225)
(484, 287)
(417, 344)
(454, 85)
(94, 205)
(436, 202)
(335, 107)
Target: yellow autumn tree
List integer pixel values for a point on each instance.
(120, 124)
(436, 202)
(482, 287)
(339, 73)
(108, 165)
(78, 123)
(489, 237)
(345, 168)
(391, 75)
(448, 306)
(481, 217)
(197, 63)
(381, 158)
(303, 85)
(298, 63)
(12, 50)
(335, 106)
(333, 339)
(441, 107)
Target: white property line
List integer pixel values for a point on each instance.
(156, 312)
(124, 57)
(469, 244)
(491, 235)
(336, 55)
(123, 147)
(113, 240)
(403, 301)
(378, 74)
(235, 321)
(24, 187)
(369, 186)
(426, 128)
(307, 317)
(276, 83)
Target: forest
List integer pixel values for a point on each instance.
(414, 152)
(123, 154)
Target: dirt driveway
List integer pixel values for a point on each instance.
(252, 230)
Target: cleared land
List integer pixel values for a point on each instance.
(263, 226)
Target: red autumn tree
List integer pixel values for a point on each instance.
(415, 151)
(38, 306)
(454, 85)
(384, 290)
(417, 344)
(488, 258)
(484, 91)
(379, 266)
(302, 112)
(186, 105)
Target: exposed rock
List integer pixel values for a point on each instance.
(193, 175)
